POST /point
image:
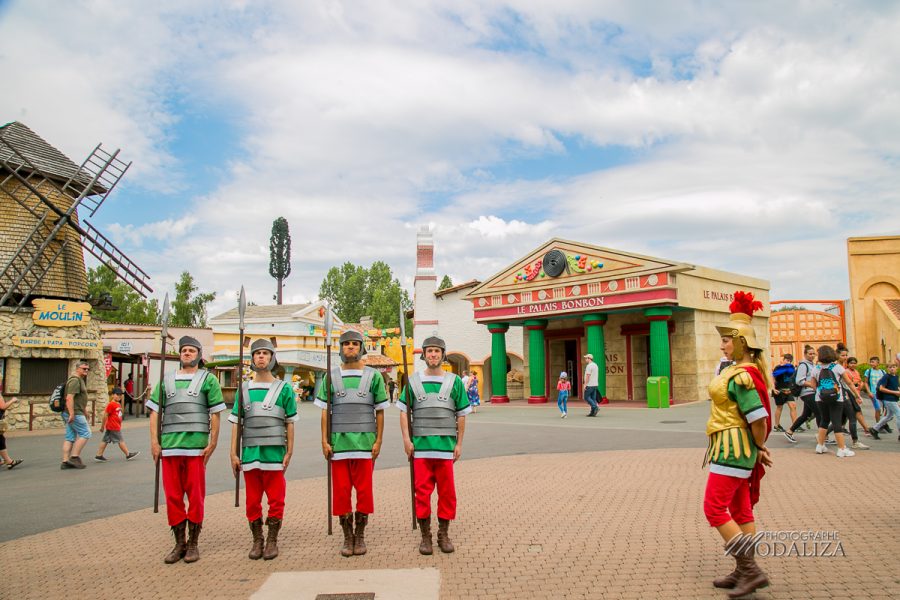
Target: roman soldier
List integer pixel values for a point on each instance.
(267, 413)
(191, 400)
(738, 426)
(358, 400)
(439, 405)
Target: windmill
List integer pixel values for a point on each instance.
(42, 193)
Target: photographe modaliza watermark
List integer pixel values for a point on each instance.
(798, 544)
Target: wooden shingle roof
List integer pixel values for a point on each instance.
(40, 153)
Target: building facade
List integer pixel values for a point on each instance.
(874, 269)
(639, 316)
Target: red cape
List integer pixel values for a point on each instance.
(759, 470)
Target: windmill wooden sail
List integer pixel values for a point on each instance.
(42, 238)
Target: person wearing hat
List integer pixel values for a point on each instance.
(357, 425)
(439, 409)
(267, 414)
(591, 381)
(191, 400)
(738, 426)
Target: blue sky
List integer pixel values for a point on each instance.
(742, 136)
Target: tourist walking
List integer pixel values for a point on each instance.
(807, 395)
(562, 394)
(8, 462)
(783, 376)
(111, 428)
(472, 390)
(591, 381)
(889, 388)
(827, 380)
(440, 406)
(191, 400)
(870, 380)
(738, 427)
(74, 417)
(267, 413)
(357, 427)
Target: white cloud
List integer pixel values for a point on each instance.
(762, 131)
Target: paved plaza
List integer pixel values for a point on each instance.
(549, 508)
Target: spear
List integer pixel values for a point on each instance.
(409, 416)
(329, 401)
(159, 399)
(239, 397)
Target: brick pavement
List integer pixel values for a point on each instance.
(614, 524)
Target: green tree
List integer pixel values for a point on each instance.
(355, 291)
(280, 253)
(189, 307)
(446, 282)
(127, 306)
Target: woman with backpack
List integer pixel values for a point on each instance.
(826, 381)
(807, 395)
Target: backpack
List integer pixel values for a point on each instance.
(828, 388)
(58, 397)
(879, 395)
(797, 388)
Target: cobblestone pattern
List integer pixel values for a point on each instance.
(621, 524)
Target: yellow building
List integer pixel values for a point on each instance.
(874, 267)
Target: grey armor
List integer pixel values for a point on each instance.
(353, 411)
(435, 413)
(186, 409)
(264, 422)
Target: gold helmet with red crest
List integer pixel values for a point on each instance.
(742, 308)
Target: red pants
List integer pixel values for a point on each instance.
(727, 498)
(347, 474)
(428, 472)
(184, 475)
(273, 484)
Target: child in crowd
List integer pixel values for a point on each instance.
(112, 427)
(783, 376)
(871, 377)
(562, 397)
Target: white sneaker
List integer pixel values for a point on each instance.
(565, 415)
(822, 449)
(845, 453)
(859, 446)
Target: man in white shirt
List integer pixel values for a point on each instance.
(591, 379)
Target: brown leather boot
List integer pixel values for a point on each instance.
(359, 534)
(347, 526)
(728, 581)
(425, 545)
(192, 552)
(271, 550)
(749, 576)
(444, 542)
(177, 552)
(256, 551)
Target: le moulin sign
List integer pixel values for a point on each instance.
(60, 313)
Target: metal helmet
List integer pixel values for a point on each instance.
(263, 344)
(739, 324)
(352, 336)
(434, 342)
(193, 343)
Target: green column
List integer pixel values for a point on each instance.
(659, 341)
(537, 361)
(498, 362)
(596, 345)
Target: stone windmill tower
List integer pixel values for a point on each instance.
(44, 199)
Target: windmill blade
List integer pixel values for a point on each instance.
(109, 254)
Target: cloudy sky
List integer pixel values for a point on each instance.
(747, 136)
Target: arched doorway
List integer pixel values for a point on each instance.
(514, 389)
(458, 362)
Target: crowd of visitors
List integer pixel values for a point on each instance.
(833, 391)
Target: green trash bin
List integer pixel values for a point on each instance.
(658, 392)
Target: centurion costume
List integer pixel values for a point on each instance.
(739, 397)
(438, 403)
(188, 401)
(267, 413)
(356, 397)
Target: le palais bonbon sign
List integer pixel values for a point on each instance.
(60, 313)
